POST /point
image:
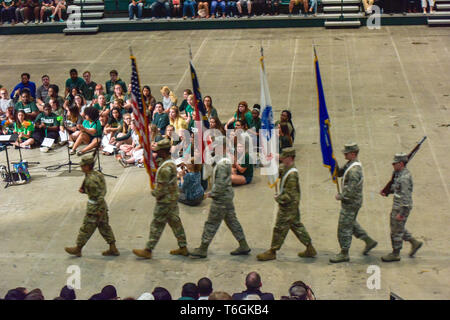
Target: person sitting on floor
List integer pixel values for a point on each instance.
(24, 129)
(132, 153)
(91, 132)
(46, 126)
(191, 190)
(69, 124)
(241, 173)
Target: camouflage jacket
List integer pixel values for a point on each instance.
(290, 196)
(402, 188)
(222, 189)
(352, 184)
(166, 191)
(94, 186)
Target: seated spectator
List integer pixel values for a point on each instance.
(5, 102)
(103, 118)
(191, 190)
(118, 94)
(25, 131)
(101, 105)
(256, 120)
(219, 295)
(253, 284)
(176, 8)
(16, 294)
(69, 124)
(285, 138)
(91, 132)
(160, 293)
(114, 79)
(424, 6)
(205, 288)
(169, 98)
(21, 6)
(189, 5)
(242, 173)
(114, 122)
(146, 296)
(176, 120)
(160, 118)
(80, 102)
(123, 134)
(155, 136)
(274, 6)
(9, 121)
(109, 293)
(189, 292)
(26, 104)
(25, 83)
(214, 123)
(35, 8)
(244, 4)
(57, 12)
(313, 7)
(47, 7)
(293, 3)
(132, 153)
(232, 9)
(203, 9)
(8, 12)
(53, 91)
(160, 8)
(75, 82)
(46, 125)
(42, 92)
(286, 117)
(67, 293)
(184, 103)
(299, 291)
(242, 113)
(148, 101)
(135, 8)
(89, 88)
(222, 6)
(35, 294)
(56, 108)
(69, 100)
(99, 91)
(258, 7)
(210, 110)
(190, 107)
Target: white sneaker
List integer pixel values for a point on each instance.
(44, 149)
(71, 143)
(61, 143)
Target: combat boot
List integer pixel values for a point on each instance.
(370, 244)
(268, 255)
(341, 257)
(112, 251)
(310, 252)
(242, 250)
(76, 251)
(415, 245)
(181, 251)
(200, 252)
(393, 256)
(143, 253)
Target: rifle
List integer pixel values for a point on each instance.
(387, 189)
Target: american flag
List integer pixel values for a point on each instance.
(141, 122)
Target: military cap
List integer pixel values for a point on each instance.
(162, 144)
(399, 157)
(350, 147)
(87, 160)
(287, 152)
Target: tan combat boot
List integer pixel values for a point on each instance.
(181, 251)
(341, 257)
(268, 255)
(143, 253)
(370, 244)
(415, 245)
(310, 252)
(243, 249)
(200, 252)
(392, 257)
(112, 251)
(76, 251)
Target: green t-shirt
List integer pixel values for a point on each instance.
(114, 123)
(50, 120)
(248, 118)
(107, 97)
(90, 89)
(99, 108)
(93, 125)
(249, 172)
(29, 108)
(183, 105)
(77, 83)
(59, 99)
(109, 86)
(26, 128)
(189, 109)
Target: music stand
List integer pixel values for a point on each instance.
(97, 152)
(7, 139)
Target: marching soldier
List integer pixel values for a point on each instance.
(402, 188)
(351, 201)
(97, 210)
(288, 216)
(166, 208)
(222, 208)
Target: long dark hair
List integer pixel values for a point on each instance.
(290, 121)
(92, 113)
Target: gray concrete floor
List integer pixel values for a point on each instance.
(384, 89)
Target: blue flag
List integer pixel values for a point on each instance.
(201, 113)
(328, 157)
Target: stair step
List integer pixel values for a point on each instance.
(81, 30)
(341, 24)
(346, 15)
(443, 6)
(88, 2)
(338, 2)
(88, 15)
(439, 13)
(94, 8)
(439, 22)
(338, 8)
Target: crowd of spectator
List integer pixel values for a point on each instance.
(37, 11)
(202, 290)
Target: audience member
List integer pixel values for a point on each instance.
(424, 6)
(222, 6)
(184, 103)
(135, 8)
(42, 92)
(160, 118)
(241, 173)
(47, 7)
(75, 82)
(46, 125)
(59, 6)
(109, 293)
(299, 291)
(90, 132)
(211, 112)
(67, 293)
(114, 122)
(5, 102)
(219, 295)
(160, 8)
(191, 190)
(35, 294)
(109, 85)
(286, 118)
(27, 105)
(253, 284)
(160, 293)
(70, 124)
(189, 5)
(16, 294)
(176, 120)
(205, 288)
(203, 9)
(146, 296)
(242, 113)
(53, 91)
(25, 83)
(284, 137)
(9, 11)
(189, 292)
(90, 87)
(25, 130)
(241, 4)
(101, 105)
(169, 98)
(149, 101)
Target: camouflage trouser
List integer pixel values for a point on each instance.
(289, 219)
(217, 213)
(348, 226)
(92, 221)
(398, 230)
(163, 214)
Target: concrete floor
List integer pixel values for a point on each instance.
(384, 89)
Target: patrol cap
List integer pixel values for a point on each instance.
(87, 160)
(350, 147)
(399, 157)
(162, 144)
(287, 152)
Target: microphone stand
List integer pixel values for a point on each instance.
(97, 152)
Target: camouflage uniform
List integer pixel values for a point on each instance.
(222, 207)
(97, 211)
(402, 188)
(288, 216)
(166, 208)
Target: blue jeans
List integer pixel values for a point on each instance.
(9, 14)
(313, 4)
(221, 5)
(231, 7)
(188, 4)
(132, 10)
(159, 6)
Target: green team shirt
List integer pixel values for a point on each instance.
(249, 172)
(93, 125)
(28, 108)
(50, 120)
(77, 83)
(24, 129)
(99, 108)
(90, 89)
(58, 98)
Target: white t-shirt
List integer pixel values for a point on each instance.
(5, 103)
(167, 103)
